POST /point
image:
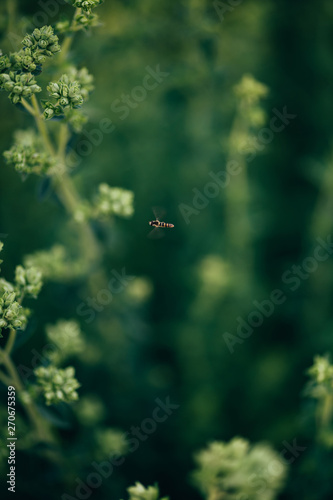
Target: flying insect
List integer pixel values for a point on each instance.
(157, 224)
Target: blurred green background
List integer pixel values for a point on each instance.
(163, 335)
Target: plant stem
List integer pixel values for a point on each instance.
(62, 141)
(42, 126)
(215, 494)
(67, 42)
(238, 227)
(11, 341)
(42, 431)
(28, 107)
(11, 12)
(71, 201)
(63, 183)
(326, 411)
(4, 379)
(12, 333)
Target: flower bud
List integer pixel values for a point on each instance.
(17, 89)
(9, 86)
(36, 34)
(26, 91)
(63, 101)
(48, 113)
(10, 299)
(27, 42)
(35, 88)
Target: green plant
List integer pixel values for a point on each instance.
(320, 387)
(43, 151)
(235, 470)
(139, 492)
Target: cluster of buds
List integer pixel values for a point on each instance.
(24, 61)
(86, 5)
(224, 467)
(113, 201)
(57, 385)
(4, 62)
(18, 85)
(28, 282)
(27, 155)
(74, 117)
(67, 337)
(16, 69)
(12, 314)
(111, 441)
(321, 374)
(84, 19)
(139, 492)
(40, 44)
(67, 94)
(55, 264)
(250, 92)
(108, 201)
(83, 78)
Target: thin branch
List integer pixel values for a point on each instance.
(67, 42)
(27, 106)
(43, 432)
(11, 341)
(6, 380)
(42, 126)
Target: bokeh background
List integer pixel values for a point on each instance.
(164, 334)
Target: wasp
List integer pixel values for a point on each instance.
(158, 224)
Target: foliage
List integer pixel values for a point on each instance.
(57, 385)
(139, 492)
(18, 68)
(321, 374)
(55, 264)
(236, 470)
(28, 282)
(197, 104)
(27, 155)
(320, 387)
(67, 337)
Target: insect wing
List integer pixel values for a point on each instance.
(159, 213)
